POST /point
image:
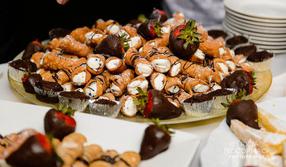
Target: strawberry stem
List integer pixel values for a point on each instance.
(190, 34)
(165, 128)
(66, 109)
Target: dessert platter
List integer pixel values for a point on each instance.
(171, 69)
(57, 138)
(251, 135)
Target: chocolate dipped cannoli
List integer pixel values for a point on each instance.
(120, 82)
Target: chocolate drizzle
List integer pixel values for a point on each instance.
(260, 56)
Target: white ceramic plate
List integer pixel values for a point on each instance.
(107, 132)
(250, 33)
(272, 9)
(223, 149)
(255, 19)
(264, 29)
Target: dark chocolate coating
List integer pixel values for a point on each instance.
(58, 33)
(260, 56)
(32, 154)
(111, 45)
(146, 29)
(161, 107)
(74, 94)
(29, 81)
(56, 127)
(46, 87)
(239, 80)
(105, 101)
(155, 141)
(217, 33)
(32, 48)
(177, 47)
(23, 65)
(245, 50)
(236, 40)
(209, 96)
(244, 111)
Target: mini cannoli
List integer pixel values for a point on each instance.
(173, 85)
(101, 24)
(68, 86)
(198, 57)
(176, 66)
(104, 107)
(18, 68)
(80, 75)
(138, 82)
(220, 65)
(147, 48)
(46, 75)
(182, 95)
(211, 46)
(70, 45)
(158, 81)
(95, 63)
(77, 101)
(61, 77)
(120, 82)
(195, 85)
(96, 87)
(217, 76)
(160, 63)
(197, 71)
(129, 107)
(94, 37)
(115, 65)
(226, 53)
(113, 28)
(79, 34)
(174, 101)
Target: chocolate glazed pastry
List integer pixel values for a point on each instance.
(236, 40)
(245, 50)
(29, 82)
(259, 56)
(111, 45)
(217, 33)
(23, 65)
(47, 91)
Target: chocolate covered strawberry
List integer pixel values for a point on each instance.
(150, 29)
(244, 111)
(156, 105)
(159, 15)
(184, 40)
(240, 80)
(36, 151)
(59, 123)
(111, 45)
(156, 139)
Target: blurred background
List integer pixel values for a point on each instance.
(25, 20)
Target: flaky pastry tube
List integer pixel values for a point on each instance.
(79, 34)
(95, 63)
(197, 71)
(158, 81)
(138, 82)
(70, 45)
(195, 85)
(120, 82)
(115, 65)
(173, 85)
(211, 46)
(46, 75)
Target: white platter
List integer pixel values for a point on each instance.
(230, 148)
(109, 133)
(264, 9)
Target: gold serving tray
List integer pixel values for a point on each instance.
(263, 83)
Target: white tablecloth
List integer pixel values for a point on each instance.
(202, 129)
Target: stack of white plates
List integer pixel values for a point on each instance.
(262, 21)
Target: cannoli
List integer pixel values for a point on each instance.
(95, 63)
(129, 107)
(160, 63)
(79, 34)
(220, 65)
(211, 46)
(138, 82)
(173, 85)
(120, 82)
(101, 24)
(113, 28)
(174, 101)
(75, 100)
(61, 77)
(96, 87)
(198, 57)
(195, 85)
(80, 75)
(217, 76)
(107, 96)
(158, 81)
(128, 158)
(46, 75)
(115, 65)
(182, 95)
(197, 71)
(68, 87)
(92, 152)
(176, 66)
(70, 45)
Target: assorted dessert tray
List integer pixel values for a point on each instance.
(157, 67)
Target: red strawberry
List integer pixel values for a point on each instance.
(184, 40)
(240, 80)
(150, 29)
(243, 110)
(156, 139)
(111, 45)
(156, 105)
(59, 123)
(34, 152)
(159, 15)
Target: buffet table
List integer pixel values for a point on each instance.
(203, 128)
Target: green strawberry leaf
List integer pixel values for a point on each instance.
(190, 34)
